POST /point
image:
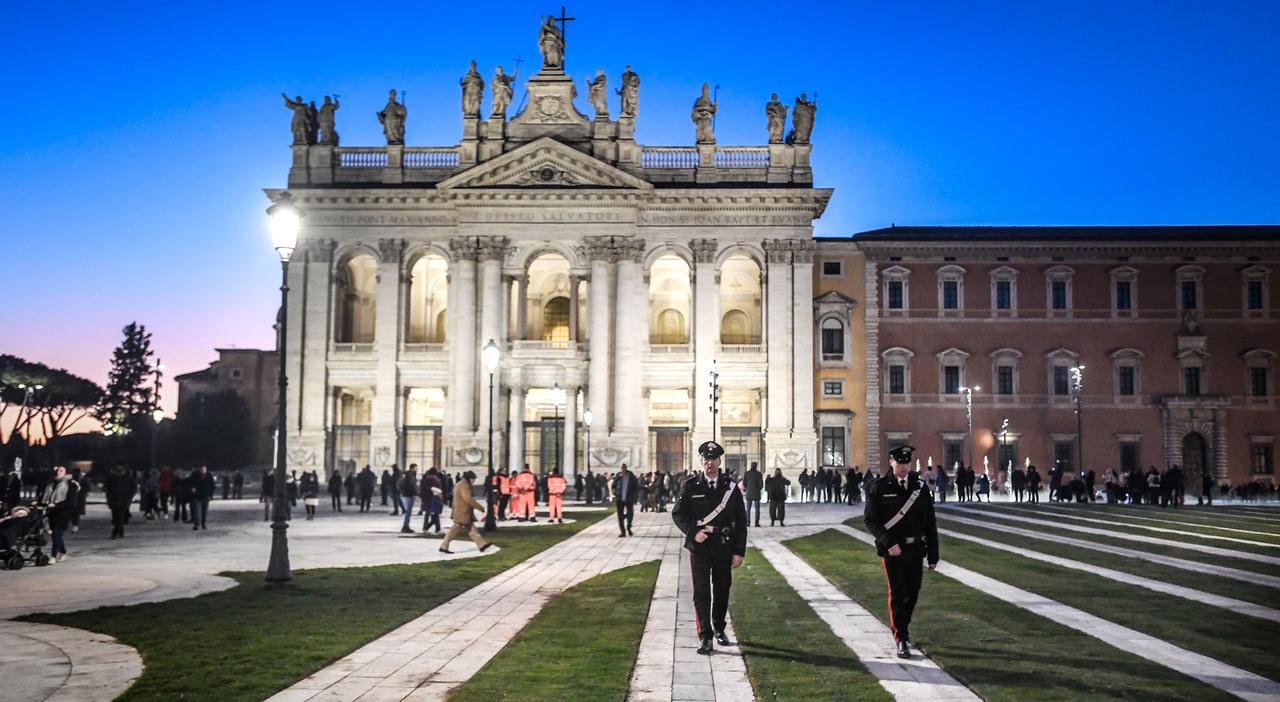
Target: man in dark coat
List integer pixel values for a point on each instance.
(776, 487)
(626, 490)
(367, 480)
(899, 514)
(713, 517)
(201, 487)
(120, 487)
(752, 482)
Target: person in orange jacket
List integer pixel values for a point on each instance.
(504, 493)
(555, 490)
(525, 484)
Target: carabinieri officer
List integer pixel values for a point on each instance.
(713, 517)
(899, 514)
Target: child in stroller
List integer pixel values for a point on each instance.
(23, 533)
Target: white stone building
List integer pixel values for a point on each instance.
(617, 272)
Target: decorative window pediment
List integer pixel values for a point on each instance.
(544, 163)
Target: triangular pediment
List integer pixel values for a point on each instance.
(545, 163)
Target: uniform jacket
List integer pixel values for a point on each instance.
(525, 481)
(556, 485)
(463, 504)
(884, 501)
(698, 499)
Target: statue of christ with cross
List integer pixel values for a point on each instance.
(551, 40)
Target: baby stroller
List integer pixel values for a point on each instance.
(22, 539)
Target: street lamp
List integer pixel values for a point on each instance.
(1077, 382)
(491, 355)
(156, 413)
(557, 396)
(1004, 444)
(968, 411)
(285, 219)
(26, 445)
(587, 416)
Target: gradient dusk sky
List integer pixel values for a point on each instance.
(138, 136)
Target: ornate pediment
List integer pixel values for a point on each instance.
(544, 163)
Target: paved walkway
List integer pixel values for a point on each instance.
(54, 663)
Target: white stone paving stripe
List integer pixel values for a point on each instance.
(1183, 522)
(917, 679)
(1164, 530)
(1228, 678)
(1182, 563)
(50, 663)
(1240, 606)
(1200, 548)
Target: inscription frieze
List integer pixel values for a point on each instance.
(690, 219)
(547, 217)
(337, 219)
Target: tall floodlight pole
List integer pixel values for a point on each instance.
(26, 401)
(1077, 383)
(968, 411)
(286, 219)
(1004, 443)
(557, 396)
(587, 416)
(715, 397)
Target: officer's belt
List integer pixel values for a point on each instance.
(912, 540)
(724, 502)
(905, 508)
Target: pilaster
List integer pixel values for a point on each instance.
(515, 419)
(628, 380)
(802, 251)
(706, 331)
(780, 309)
(460, 412)
(569, 459)
(310, 297)
(384, 432)
(599, 343)
(491, 327)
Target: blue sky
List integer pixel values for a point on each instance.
(138, 136)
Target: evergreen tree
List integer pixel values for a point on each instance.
(130, 398)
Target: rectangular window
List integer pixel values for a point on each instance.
(1189, 297)
(1191, 380)
(1261, 459)
(1255, 294)
(1129, 457)
(832, 344)
(1127, 377)
(831, 268)
(950, 295)
(1064, 455)
(953, 452)
(1258, 382)
(895, 294)
(1061, 380)
(1059, 293)
(897, 380)
(833, 446)
(1004, 297)
(1004, 380)
(833, 387)
(237, 373)
(951, 379)
(1124, 295)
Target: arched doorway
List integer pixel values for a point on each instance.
(1195, 457)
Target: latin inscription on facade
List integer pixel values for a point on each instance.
(696, 219)
(386, 220)
(553, 217)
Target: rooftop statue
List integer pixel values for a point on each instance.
(502, 92)
(551, 43)
(303, 118)
(392, 118)
(472, 92)
(328, 135)
(703, 112)
(630, 93)
(776, 113)
(598, 95)
(802, 118)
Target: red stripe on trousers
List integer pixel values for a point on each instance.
(890, 598)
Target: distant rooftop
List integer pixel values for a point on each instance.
(1247, 232)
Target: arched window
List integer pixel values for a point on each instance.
(356, 292)
(555, 320)
(428, 299)
(670, 301)
(832, 340)
(740, 320)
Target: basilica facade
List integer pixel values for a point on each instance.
(617, 281)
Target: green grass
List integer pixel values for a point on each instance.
(1227, 587)
(581, 646)
(1181, 531)
(249, 642)
(999, 650)
(791, 654)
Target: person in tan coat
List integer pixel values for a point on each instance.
(464, 517)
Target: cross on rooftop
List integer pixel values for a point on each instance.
(562, 19)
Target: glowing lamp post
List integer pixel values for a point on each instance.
(1077, 382)
(26, 400)
(587, 416)
(557, 396)
(286, 220)
(968, 411)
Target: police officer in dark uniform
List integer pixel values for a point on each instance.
(711, 513)
(899, 514)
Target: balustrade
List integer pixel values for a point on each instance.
(430, 157)
(742, 157)
(669, 157)
(361, 157)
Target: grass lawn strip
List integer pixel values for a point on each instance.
(1001, 651)
(1192, 576)
(1208, 526)
(249, 642)
(581, 646)
(1107, 546)
(1186, 593)
(1194, 626)
(1254, 561)
(791, 654)
(1192, 518)
(1266, 544)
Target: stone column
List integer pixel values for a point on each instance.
(599, 345)
(780, 310)
(706, 333)
(515, 459)
(384, 432)
(310, 300)
(802, 339)
(491, 316)
(460, 413)
(522, 306)
(573, 309)
(630, 335)
(569, 462)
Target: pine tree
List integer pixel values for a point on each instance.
(129, 398)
